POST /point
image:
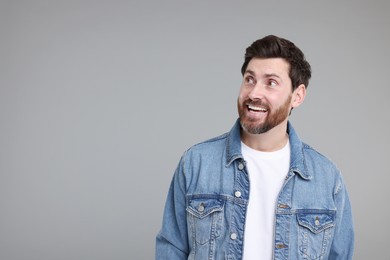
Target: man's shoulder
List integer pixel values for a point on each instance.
(310, 150)
(210, 144)
(313, 156)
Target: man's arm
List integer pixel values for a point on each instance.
(172, 241)
(343, 241)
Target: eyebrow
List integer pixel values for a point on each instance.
(268, 75)
(250, 72)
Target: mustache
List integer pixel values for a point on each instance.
(258, 103)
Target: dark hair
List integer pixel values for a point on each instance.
(275, 47)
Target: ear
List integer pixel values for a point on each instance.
(298, 96)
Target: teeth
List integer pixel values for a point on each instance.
(257, 108)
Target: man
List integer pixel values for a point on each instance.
(259, 192)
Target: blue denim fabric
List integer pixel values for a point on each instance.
(204, 216)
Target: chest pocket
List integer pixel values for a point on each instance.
(205, 218)
(315, 231)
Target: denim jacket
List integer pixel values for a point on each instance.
(204, 216)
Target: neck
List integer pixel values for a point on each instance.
(273, 140)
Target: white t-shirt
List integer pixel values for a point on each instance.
(267, 171)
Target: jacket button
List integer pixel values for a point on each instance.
(201, 207)
(233, 236)
(237, 194)
(280, 246)
(240, 166)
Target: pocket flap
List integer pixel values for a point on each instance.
(316, 222)
(202, 207)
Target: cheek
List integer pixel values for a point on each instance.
(279, 99)
(242, 94)
(241, 99)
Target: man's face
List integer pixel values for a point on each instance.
(265, 95)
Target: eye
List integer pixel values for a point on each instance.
(272, 83)
(250, 80)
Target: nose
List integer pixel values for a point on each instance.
(257, 92)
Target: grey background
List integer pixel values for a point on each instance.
(98, 100)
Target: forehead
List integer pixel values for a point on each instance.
(267, 66)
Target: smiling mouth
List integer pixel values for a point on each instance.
(257, 108)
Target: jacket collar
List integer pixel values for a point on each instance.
(297, 159)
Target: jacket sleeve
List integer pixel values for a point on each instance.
(172, 240)
(343, 241)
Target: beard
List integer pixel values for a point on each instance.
(274, 117)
